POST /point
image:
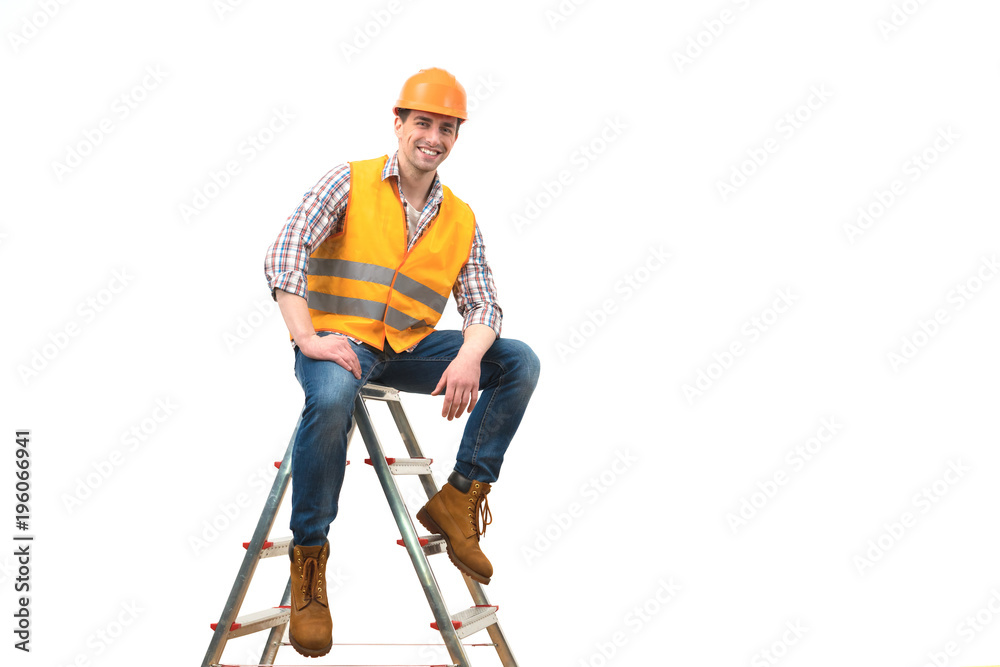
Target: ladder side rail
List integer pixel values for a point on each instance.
(496, 632)
(475, 588)
(252, 557)
(412, 448)
(501, 645)
(410, 539)
(278, 631)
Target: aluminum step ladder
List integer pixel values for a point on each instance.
(453, 628)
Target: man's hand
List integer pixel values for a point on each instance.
(460, 381)
(461, 384)
(295, 312)
(332, 348)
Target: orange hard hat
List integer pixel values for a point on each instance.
(434, 90)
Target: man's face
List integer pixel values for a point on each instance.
(425, 139)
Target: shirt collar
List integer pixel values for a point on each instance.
(391, 168)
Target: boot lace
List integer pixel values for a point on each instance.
(481, 512)
(312, 581)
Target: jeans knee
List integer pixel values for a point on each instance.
(526, 361)
(330, 406)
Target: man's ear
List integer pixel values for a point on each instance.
(397, 127)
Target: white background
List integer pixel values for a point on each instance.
(191, 324)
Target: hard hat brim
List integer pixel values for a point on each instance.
(433, 108)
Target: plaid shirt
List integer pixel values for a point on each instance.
(321, 214)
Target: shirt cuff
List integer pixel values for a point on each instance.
(490, 315)
(293, 282)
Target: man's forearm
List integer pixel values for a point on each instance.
(478, 339)
(295, 312)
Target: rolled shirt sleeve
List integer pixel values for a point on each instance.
(474, 290)
(320, 214)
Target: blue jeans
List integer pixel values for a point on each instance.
(509, 372)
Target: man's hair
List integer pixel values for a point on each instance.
(405, 113)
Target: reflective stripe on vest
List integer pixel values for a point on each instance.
(381, 275)
(343, 305)
(365, 283)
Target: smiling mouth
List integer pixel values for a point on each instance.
(427, 151)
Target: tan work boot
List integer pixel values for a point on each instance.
(455, 514)
(310, 629)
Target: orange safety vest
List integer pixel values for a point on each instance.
(363, 282)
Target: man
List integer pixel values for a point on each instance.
(361, 273)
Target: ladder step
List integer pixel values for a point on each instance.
(432, 544)
(272, 549)
(418, 466)
(473, 619)
(277, 464)
(375, 392)
(257, 621)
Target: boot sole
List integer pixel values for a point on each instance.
(425, 518)
(308, 652)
